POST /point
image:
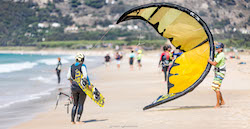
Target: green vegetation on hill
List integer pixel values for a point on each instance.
(95, 3)
(19, 24)
(234, 39)
(75, 3)
(18, 19)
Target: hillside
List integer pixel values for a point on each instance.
(25, 22)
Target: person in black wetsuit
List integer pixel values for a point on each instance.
(77, 75)
(58, 69)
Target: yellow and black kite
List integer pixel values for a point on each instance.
(186, 31)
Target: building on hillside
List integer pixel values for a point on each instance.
(110, 1)
(244, 31)
(132, 27)
(55, 25)
(71, 29)
(43, 25)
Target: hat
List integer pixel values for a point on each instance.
(219, 45)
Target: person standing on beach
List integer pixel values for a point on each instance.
(118, 58)
(139, 56)
(219, 70)
(107, 60)
(165, 60)
(77, 75)
(131, 60)
(178, 54)
(58, 70)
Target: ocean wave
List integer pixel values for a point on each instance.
(52, 61)
(48, 80)
(13, 67)
(27, 98)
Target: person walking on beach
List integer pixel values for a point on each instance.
(58, 70)
(77, 75)
(220, 70)
(131, 60)
(118, 58)
(165, 60)
(139, 57)
(107, 60)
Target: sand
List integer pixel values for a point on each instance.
(127, 92)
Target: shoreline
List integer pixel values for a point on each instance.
(127, 92)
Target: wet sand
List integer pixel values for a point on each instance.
(127, 92)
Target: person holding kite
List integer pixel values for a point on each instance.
(220, 70)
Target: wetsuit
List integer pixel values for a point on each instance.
(76, 72)
(58, 71)
(131, 58)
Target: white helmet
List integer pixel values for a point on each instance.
(79, 57)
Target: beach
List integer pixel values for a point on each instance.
(127, 92)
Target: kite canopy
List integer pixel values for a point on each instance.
(187, 32)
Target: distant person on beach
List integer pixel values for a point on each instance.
(131, 60)
(179, 53)
(74, 76)
(107, 60)
(58, 70)
(118, 58)
(139, 57)
(165, 60)
(220, 70)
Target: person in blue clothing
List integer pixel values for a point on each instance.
(178, 54)
(118, 58)
(131, 60)
(77, 75)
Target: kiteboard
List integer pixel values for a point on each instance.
(94, 94)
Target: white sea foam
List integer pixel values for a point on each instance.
(28, 98)
(52, 61)
(12, 67)
(48, 80)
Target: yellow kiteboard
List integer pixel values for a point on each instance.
(93, 93)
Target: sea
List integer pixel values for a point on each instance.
(28, 84)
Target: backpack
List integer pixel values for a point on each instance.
(165, 61)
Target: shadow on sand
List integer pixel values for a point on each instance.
(184, 108)
(94, 120)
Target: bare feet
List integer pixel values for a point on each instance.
(73, 123)
(222, 103)
(217, 106)
(164, 82)
(79, 122)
